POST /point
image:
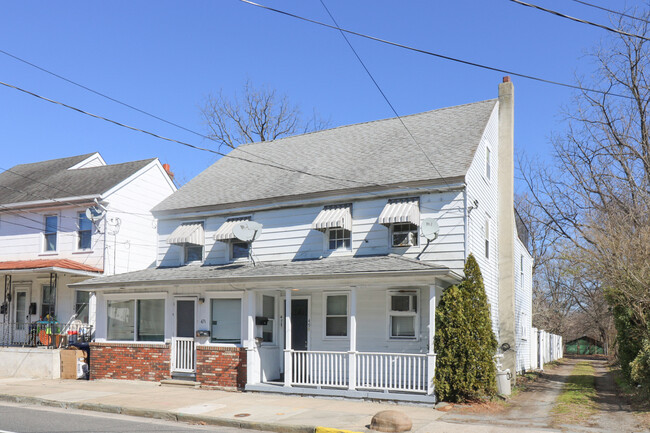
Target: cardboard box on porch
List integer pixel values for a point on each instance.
(69, 360)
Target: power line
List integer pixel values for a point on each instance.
(381, 91)
(612, 11)
(579, 20)
(103, 95)
(171, 139)
(440, 56)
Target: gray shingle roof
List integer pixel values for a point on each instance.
(379, 152)
(265, 270)
(52, 179)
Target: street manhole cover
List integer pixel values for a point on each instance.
(242, 415)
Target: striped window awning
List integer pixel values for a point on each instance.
(402, 210)
(188, 234)
(224, 234)
(336, 216)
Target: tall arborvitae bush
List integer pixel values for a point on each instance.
(464, 341)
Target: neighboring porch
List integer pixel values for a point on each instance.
(38, 309)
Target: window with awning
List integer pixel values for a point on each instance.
(225, 234)
(188, 234)
(402, 217)
(334, 216)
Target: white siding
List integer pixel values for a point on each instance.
(132, 202)
(21, 237)
(485, 191)
(287, 233)
(523, 305)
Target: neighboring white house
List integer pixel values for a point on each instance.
(337, 295)
(47, 241)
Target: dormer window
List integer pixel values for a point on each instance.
(336, 222)
(190, 236)
(402, 217)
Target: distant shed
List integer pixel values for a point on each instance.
(584, 346)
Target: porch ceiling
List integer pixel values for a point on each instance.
(318, 269)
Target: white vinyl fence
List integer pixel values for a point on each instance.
(544, 348)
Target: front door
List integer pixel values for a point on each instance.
(183, 353)
(299, 324)
(20, 316)
(185, 319)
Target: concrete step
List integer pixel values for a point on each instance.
(180, 382)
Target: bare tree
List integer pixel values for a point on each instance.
(258, 114)
(597, 195)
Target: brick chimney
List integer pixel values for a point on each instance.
(506, 221)
(169, 172)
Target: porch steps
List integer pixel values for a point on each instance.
(180, 382)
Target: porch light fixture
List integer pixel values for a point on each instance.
(201, 300)
(294, 290)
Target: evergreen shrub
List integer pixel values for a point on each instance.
(465, 343)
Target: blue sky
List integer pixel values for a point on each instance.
(165, 57)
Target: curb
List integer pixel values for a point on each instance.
(161, 414)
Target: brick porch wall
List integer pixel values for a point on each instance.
(130, 361)
(223, 367)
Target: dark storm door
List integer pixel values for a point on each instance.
(185, 320)
(299, 324)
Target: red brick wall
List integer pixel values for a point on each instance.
(221, 366)
(131, 361)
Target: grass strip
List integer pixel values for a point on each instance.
(577, 402)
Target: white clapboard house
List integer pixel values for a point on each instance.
(48, 241)
(336, 293)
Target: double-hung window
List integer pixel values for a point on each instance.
(51, 228)
(136, 320)
(84, 233)
(404, 235)
(338, 239)
(225, 317)
(488, 167)
(487, 237)
(403, 314)
(336, 315)
(239, 250)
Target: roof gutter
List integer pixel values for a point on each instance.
(272, 279)
(50, 202)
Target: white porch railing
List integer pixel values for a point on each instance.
(320, 368)
(183, 355)
(393, 372)
(380, 371)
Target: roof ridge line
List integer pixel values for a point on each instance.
(366, 123)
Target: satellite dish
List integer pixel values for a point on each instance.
(95, 214)
(247, 231)
(430, 228)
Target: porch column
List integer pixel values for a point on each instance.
(253, 372)
(431, 355)
(352, 354)
(288, 359)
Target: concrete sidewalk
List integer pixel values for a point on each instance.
(256, 411)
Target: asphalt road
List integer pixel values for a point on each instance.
(17, 418)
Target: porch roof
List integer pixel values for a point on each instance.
(66, 265)
(365, 266)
